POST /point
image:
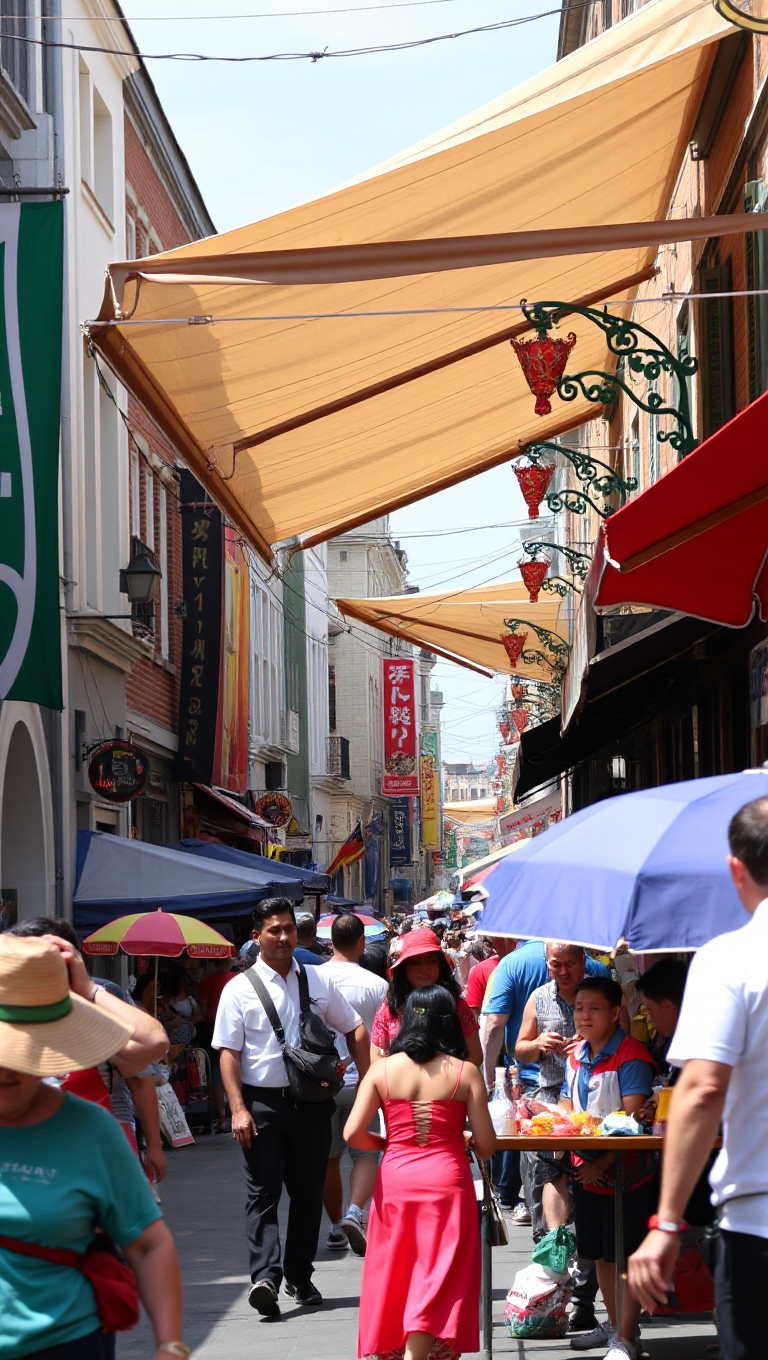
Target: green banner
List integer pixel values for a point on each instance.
(31, 281)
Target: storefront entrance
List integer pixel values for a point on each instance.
(26, 818)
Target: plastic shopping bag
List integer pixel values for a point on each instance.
(554, 1252)
(536, 1305)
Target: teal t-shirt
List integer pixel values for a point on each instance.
(59, 1180)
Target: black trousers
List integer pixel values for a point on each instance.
(741, 1272)
(291, 1150)
(89, 1347)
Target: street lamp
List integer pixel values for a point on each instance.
(139, 579)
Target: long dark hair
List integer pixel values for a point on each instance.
(430, 1025)
(400, 988)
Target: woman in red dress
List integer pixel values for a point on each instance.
(420, 963)
(421, 1277)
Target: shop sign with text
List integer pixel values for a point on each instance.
(401, 775)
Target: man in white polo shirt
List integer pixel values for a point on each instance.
(284, 1141)
(721, 1041)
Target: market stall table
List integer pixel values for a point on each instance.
(520, 1143)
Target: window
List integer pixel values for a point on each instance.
(102, 154)
(16, 23)
(483, 793)
(149, 502)
(135, 493)
(163, 528)
(716, 340)
(130, 238)
(634, 450)
(86, 125)
(332, 698)
(473, 793)
(454, 795)
(463, 797)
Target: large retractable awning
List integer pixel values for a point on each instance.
(697, 540)
(334, 362)
(467, 626)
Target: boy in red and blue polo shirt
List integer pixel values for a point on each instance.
(608, 1072)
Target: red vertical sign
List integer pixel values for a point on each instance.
(401, 766)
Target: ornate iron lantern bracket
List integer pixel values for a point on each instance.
(637, 350)
(578, 564)
(591, 472)
(557, 650)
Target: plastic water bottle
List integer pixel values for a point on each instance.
(514, 1084)
(500, 1107)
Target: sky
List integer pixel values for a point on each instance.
(264, 136)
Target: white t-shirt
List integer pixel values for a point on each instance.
(242, 1023)
(724, 1019)
(365, 991)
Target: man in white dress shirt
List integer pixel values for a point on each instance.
(284, 1142)
(721, 1042)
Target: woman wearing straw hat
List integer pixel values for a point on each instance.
(66, 1170)
(420, 963)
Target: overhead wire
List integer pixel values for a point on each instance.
(373, 49)
(261, 14)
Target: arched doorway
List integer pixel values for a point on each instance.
(26, 823)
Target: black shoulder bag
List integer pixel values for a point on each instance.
(313, 1067)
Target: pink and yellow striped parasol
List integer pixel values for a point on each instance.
(159, 933)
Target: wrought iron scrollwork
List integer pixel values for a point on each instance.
(557, 650)
(639, 353)
(590, 471)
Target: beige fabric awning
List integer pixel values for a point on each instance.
(307, 427)
(467, 625)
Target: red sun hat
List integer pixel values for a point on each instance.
(416, 943)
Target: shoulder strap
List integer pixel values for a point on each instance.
(305, 1000)
(57, 1256)
(267, 1003)
(458, 1082)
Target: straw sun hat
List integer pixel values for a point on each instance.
(45, 1030)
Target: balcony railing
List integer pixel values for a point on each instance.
(338, 757)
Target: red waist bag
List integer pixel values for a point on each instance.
(112, 1281)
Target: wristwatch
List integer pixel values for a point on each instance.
(99, 987)
(664, 1225)
(174, 1348)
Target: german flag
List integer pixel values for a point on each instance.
(351, 851)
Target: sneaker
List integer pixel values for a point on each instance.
(582, 1318)
(621, 1350)
(337, 1239)
(354, 1229)
(521, 1215)
(601, 1335)
(305, 1294)
(263, 1297)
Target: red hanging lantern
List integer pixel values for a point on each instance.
(533, 574)
(499, 805)
(500, 764)
(534, 483)
(543, 363)
(504, 729)
(513, 646)
(520, 718)
(518, 692)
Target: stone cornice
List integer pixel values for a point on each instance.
(105, 640)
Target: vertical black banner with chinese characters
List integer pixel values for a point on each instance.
(202, 555)
(400, 831)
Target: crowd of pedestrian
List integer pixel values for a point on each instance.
(386, 1053)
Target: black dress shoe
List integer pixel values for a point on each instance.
(263, 1297)
(305, 1294)
(581, 1318)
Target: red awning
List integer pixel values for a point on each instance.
(696, 541)
(235, 809)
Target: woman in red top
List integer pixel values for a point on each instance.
(420, 963)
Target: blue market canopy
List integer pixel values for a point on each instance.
(287, 875)
(648, 867)
(116, 876)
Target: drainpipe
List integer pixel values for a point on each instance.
(62, 811)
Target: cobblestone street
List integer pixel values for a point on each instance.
(203, 1197)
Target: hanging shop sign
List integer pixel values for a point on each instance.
(401, 771)
(430, 798)
(31, 283)
(400, 831)
(231, 759)
(202, 570)
(275, 808)
(531, 820)
(118, 771)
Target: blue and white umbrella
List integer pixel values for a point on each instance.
(649, 868)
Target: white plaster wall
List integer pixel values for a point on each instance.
(27, 860)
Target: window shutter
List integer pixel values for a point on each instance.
(716, 332)
(755, 201)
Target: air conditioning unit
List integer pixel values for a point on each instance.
(289, 731)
